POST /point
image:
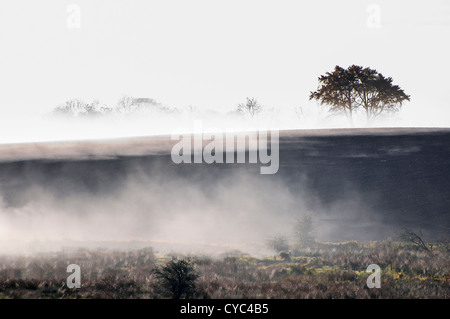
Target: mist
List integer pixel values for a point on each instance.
(40, 127)
(128, 191)
(145, 203)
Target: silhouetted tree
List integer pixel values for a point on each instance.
(346, 90)
(375, 93)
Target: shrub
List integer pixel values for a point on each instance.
(177, 278)
(408, 235)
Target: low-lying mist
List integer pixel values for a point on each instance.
(355, 187)
(143, 203)
(24, 127)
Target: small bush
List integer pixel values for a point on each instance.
(177, 279)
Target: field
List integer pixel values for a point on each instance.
(359, 187)
(324, 271)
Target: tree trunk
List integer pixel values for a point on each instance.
(350, 109)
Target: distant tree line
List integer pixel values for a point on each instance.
(125, 105)
(345, 91)
(76, 107)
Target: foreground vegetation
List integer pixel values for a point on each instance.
(325, 271)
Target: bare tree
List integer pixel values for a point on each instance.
(125, 104)
(76, 107)
(251, 107)
(71, 107)
(408, 234)
(91, 109)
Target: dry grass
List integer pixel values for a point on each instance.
(325, 271)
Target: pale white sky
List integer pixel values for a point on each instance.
(213, 54)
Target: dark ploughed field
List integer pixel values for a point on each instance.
(361, 184)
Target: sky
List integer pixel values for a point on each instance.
(213, 54)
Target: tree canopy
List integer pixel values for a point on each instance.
(347, 90)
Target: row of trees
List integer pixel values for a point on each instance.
(76, 107)
(129, 105)
(349, 90)
(125, 105)
(342, 90)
